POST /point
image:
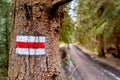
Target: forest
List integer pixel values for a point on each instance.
(91, 24)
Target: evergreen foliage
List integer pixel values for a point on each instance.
(96, 17)
(5, 13)
(85, 21)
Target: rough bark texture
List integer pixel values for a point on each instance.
(33, 17)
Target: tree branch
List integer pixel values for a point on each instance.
(57, 4)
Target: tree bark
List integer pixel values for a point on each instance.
(36, 17)
(118, 46)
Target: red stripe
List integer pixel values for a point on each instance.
(30, 45)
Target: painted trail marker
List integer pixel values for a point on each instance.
(30, 45)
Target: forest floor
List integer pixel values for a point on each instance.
(110, 60)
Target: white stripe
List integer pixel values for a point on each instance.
(26, 51)
(42, 38)
(23, 38)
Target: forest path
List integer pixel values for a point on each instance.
(84, 68)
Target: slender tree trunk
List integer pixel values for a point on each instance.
(100, 45)
(33, 18)
(100, 37)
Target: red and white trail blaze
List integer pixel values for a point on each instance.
(30, 45)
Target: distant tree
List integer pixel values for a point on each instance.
(103, 14)
(99, 18)
(85, 23)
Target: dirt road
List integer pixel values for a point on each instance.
(87, 69)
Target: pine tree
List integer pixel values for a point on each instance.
(36, 18)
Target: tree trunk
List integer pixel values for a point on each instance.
(100, 45)
(118, 46)
(36, 18)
